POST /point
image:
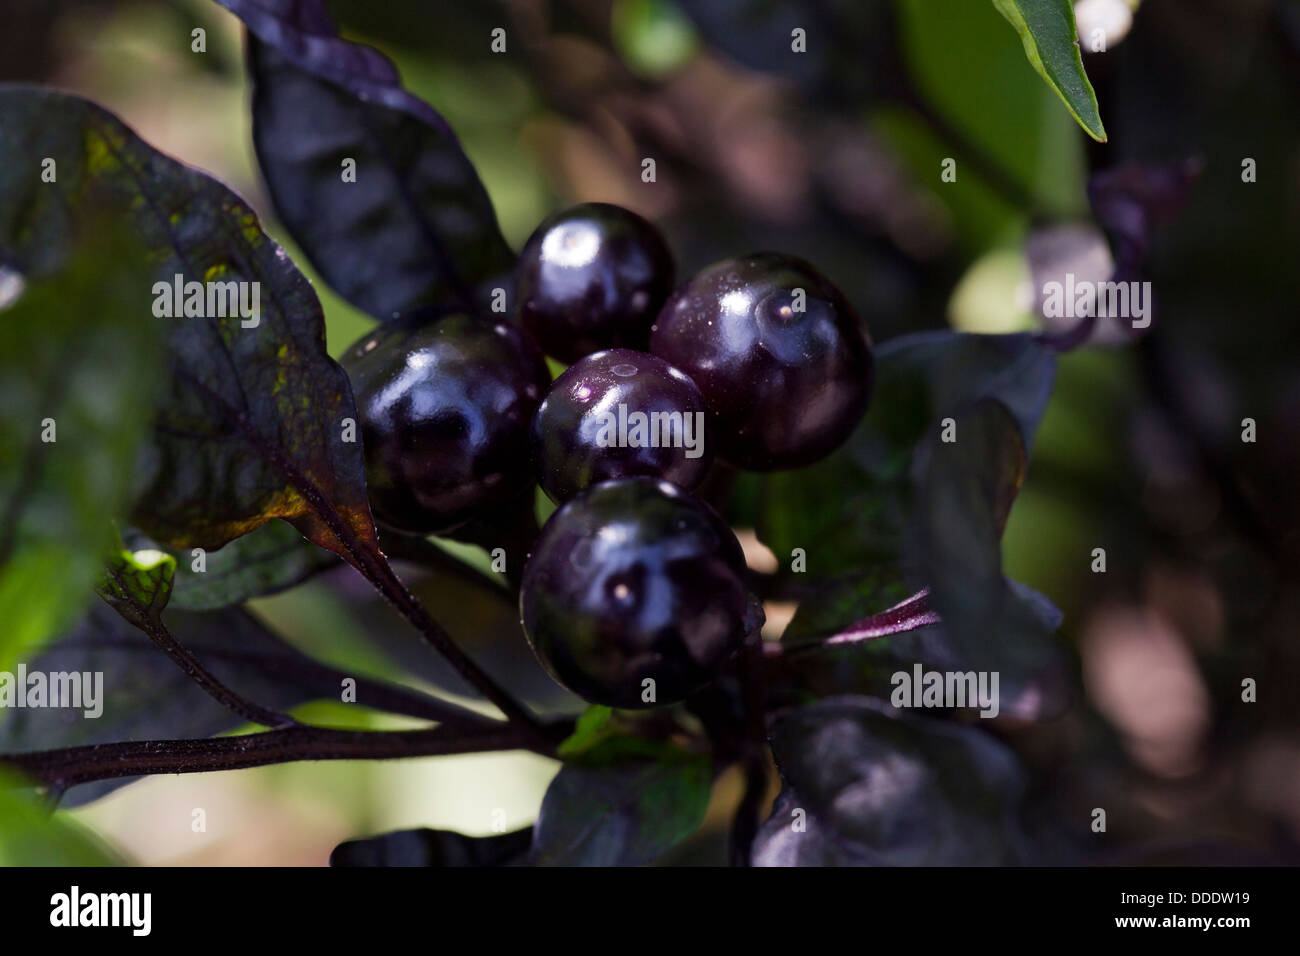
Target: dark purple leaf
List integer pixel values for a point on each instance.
(846, 511)
(416, 228)
(879, 521)
(792, 836)
(961, 495)
(885, 788)
(251, 423)
(622, 814)
(426, 847)
(1130, 203)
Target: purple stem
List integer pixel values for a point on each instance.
(908, 615)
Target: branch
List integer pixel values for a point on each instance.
(323, 681)
(908, 615)
(374, 566)
(60, 769)
(423, 553)
(753, 750)
(147, 620)
(381, 574)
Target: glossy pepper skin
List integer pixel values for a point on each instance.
(631, 581)
(444, 411)
(581, 432)
(786, 386)
(592, 277)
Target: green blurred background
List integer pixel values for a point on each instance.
(835, 156)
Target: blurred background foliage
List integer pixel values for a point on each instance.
(835, 155)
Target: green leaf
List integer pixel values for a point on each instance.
(78, 379)
(605, 737)
(1017, 151)
(138, 584)
(30, 835)
(594, 726)
(624, 814)
(251, 426)
(653, 36)
(271, 559)
(881, 787)
(1048, 31)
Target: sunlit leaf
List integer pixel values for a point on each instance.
(138, 584)
(263, 562)
(78, 379)
(31, 836)
(1048, 31)
(252, 423)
